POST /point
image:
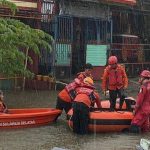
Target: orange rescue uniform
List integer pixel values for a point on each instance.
(64, 95)
(114, 78)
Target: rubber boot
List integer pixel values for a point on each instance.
(134, 129)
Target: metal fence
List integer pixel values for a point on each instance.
(135, 57)
(98, 31)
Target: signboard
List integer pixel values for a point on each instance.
(26, 4)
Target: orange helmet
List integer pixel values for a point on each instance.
(145, 74)
(112, 60)
(88, 80)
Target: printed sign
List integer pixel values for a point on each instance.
(17, 123)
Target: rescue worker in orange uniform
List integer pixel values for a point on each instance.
(115, 80)
(67, 95)
(87, 72)
(86, 97)
(3, 107)
(141, 120)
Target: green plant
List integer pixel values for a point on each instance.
(12, 6)
(17, 39)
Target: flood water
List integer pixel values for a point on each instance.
(58, 134)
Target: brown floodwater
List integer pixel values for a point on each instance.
(59, 134)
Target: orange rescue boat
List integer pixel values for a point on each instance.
(29, 117)
(102, 120)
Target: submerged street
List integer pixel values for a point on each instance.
(59, 134)
(99, 45)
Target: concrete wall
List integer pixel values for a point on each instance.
(82, 9)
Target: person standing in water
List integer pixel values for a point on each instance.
(141, 120)
(66, 96)
(115, 80)
(86, 97)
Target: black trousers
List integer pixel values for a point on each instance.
(113, 96)
(61, 104)
(80, 118)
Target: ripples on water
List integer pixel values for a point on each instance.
(59, 135)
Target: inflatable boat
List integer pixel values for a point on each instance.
(29, 117)
(102, 120)
(131, 101)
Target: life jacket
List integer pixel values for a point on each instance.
(143, 99)
(64, 95)
(72, 85)
(87, 86)
(84, 90)
(89, 92)
(115, 77)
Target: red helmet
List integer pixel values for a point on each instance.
(145, 74)
(112, 60)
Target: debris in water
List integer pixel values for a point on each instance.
(144, 145)
(138, 147)
(57, 148)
